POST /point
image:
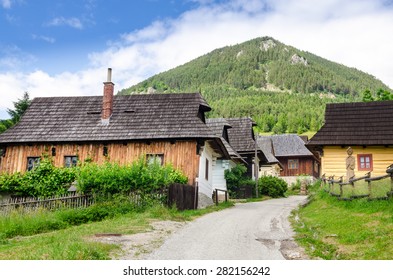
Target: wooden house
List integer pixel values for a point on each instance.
(220, 127)
(242, 139)
(272, 167)
(292, 155)
(366, 127)
(120, 129)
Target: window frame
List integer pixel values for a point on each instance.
(359, 162)
(207, 169)
(36, 162)
(293, 162)
(72, 162)
(150, 158)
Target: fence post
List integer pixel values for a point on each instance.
(216, 196)
(196, 194)
(390, 194)
(369, 189)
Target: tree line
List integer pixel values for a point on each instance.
(20, 106)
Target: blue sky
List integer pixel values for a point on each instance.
(63, 48)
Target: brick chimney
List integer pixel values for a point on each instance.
(107, 101)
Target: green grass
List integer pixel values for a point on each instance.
(357, 229)
(378, 188)
(72, 242)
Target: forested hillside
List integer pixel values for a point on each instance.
(284, 89)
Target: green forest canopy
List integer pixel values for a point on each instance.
(282, 88)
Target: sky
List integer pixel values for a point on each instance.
(64, 47)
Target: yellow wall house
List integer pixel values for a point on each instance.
(366, 128)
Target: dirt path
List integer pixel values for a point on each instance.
(138, 246)
(259, 230)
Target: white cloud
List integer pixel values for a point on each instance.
(61, 21)
(6, 4)
(355, 33)
(11, 57)
(47, 39)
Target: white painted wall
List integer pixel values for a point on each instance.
(219, 168)
(253, 168)
(206, 186)
(269, 170)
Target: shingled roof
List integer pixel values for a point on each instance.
(135, 117)
(286, 145)
(218, 127)
(241, 135)
(266, 145)
(360, 123)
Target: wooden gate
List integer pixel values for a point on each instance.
(184, 196)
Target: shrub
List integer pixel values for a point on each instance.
(112, 178)
(236, 178)
(272, 186)
(43, 181)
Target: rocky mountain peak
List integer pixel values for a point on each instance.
(296, 59)
(265, 45)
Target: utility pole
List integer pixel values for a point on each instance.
(256, 168)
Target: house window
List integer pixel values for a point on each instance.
(365, 162)
(70, 161)
(316, 167)
(32, 162)
(293, 164)
(105, 151)
(207, 170)
(152, 158)
(53, 151)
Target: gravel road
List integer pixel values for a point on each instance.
(249, 231)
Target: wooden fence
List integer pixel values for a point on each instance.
(244, 192)
(216, 195)
(72, 201)
(183, 196)
(30, 204)
(373, 188)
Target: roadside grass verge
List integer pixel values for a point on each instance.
(379, 188)
(351, 230)
(65, 241)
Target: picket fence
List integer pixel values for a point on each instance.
(31, 204)
(69, 201)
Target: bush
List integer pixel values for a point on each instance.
(43, 181)
(272, 186)
(112, 178)
(236, 177)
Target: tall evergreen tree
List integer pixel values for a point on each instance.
(20, 106)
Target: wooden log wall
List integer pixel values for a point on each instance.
(306, 167)
(181, 154)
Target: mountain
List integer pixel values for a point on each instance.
(284, 89)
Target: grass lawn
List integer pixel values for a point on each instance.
(352, 230)
(72, 242)
(378, 188)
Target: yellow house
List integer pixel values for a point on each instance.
(366, 127)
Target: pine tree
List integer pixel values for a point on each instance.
(20, 107)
